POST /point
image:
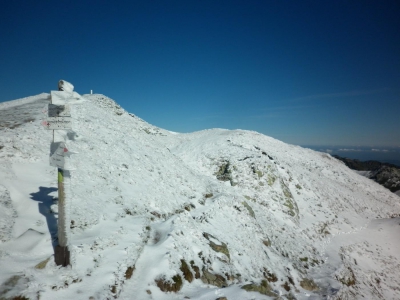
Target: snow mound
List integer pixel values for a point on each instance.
(161, 215)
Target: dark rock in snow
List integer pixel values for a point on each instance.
(385, 174)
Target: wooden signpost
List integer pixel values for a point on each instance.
(59, 118)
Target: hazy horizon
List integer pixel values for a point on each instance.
(362, 153)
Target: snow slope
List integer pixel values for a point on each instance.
(210, 214)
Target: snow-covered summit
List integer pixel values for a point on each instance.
(205, 215)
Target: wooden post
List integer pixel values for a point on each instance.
(61, 251)
(62, 254)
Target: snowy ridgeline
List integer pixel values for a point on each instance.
(206, 215)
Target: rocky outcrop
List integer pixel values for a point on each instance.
(385, 174)
(389, 177)
(224, 173)
(221, 247)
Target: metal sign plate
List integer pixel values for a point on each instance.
(57, 123)
(58, 110)
(59, 155)
(57, 158)
(60, 97)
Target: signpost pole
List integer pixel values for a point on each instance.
(61, 252)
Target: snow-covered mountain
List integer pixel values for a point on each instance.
(206, 215)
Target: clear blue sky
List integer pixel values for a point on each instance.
(305, 72)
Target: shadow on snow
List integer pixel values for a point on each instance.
(44, 205)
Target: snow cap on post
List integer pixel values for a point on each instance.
(65, 86)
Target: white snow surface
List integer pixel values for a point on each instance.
(145, 199)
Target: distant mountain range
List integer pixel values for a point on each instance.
(385, 174)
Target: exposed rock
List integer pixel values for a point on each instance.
(129, 272)
(389, 177)
(224, 173)
(20, 298)
(309, 285)
(286, 286)
(289, 201)
(258, 172)
(170, 286)
(251, 211)
(223, 248)
(347, 277)
(213, 279)
(267, 242)
(187, 273)
(196, 269)
(263, 288)
(385, 174)
(271, 277)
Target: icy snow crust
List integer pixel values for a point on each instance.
(142, 199)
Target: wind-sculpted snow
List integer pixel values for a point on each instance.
(159, 215)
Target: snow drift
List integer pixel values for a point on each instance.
(205, 215)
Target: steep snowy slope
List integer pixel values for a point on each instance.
(159, 215)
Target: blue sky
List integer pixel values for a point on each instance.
(305, 72)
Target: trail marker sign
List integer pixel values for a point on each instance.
(56, 123)
(60, 97)
(58, 154)
(54, 110)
